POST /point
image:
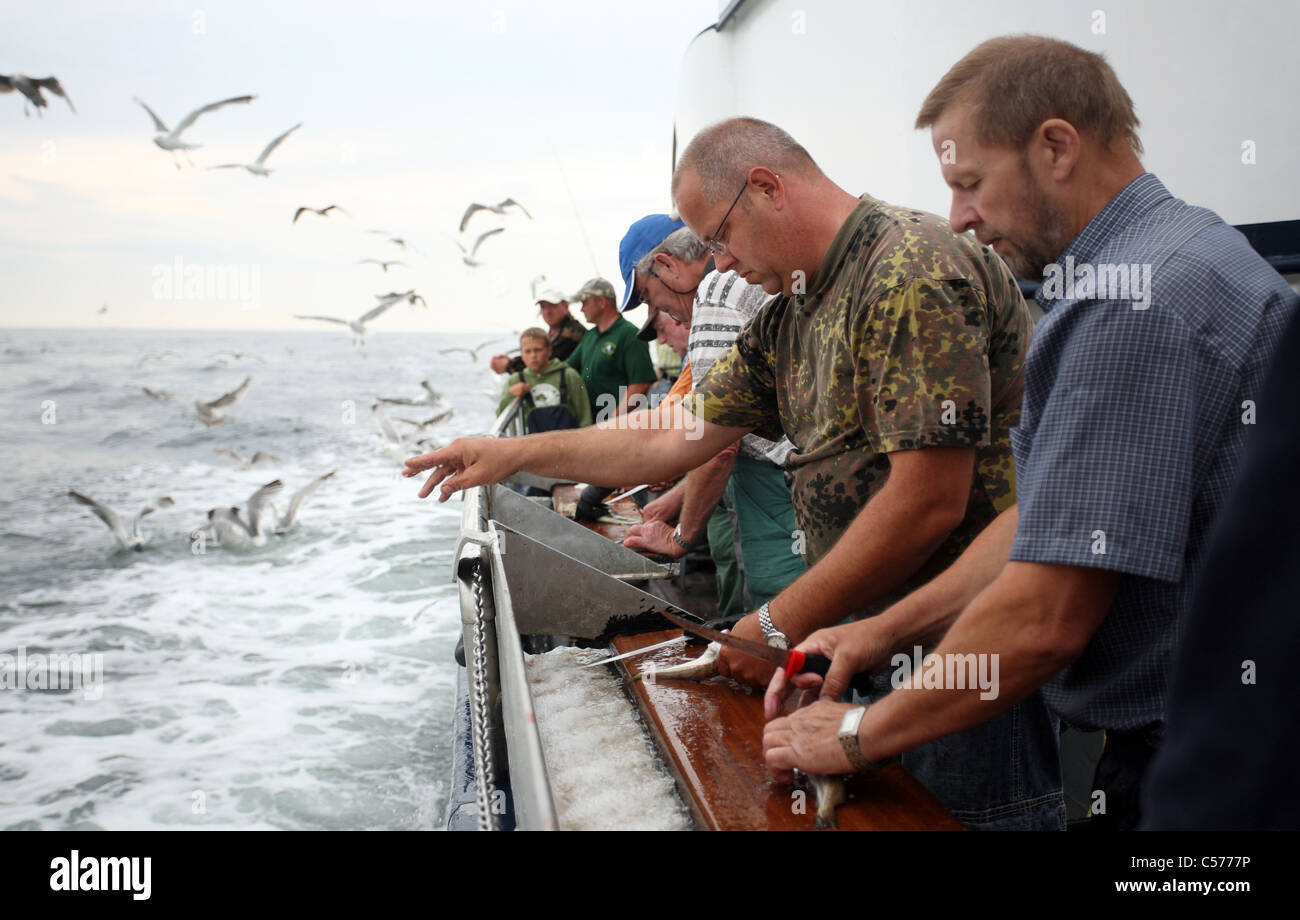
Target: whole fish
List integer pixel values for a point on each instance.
(829, 791)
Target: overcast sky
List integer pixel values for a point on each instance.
(410, 111)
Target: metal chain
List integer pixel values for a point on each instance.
(483, 779)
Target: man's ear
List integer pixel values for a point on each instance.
(766, 184)
(1057, 144)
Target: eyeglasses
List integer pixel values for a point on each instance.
(716, 247)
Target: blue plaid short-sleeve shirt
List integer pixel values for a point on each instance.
(1140, 389)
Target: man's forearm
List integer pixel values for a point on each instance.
(1031, 622)
(886, 543)
(924, 616)
(704, 487)
(612, 454)
(629, 393)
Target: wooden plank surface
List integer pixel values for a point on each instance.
(566, 499)
(711, 736)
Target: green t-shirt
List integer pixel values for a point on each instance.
(909, 336)
(609, 360)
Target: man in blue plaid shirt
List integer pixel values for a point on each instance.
(1140, 391)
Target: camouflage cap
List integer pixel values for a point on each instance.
(596, 287)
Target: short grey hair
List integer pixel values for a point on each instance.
(722, 155)
(681, 244)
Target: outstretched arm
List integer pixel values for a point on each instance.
(611, 454)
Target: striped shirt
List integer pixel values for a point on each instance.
(1140, 390)
(724, 303)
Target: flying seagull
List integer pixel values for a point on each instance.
(103, 309)
(468, 257)
(381, 264)
(135, 540)
(237, 355)
(257, 458)
(396, 240)
(232, 530)
(358, 325)
(393, 297)
(436, 420)
(31, 88)
(473, 352)
(431, 398)
(156, 357)
(170, 140)
(285, 521)
(204, 409)
(499, 208)
(532, 285)
(258, 166)
(323, 212)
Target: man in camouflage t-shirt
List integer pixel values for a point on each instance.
(910, 338)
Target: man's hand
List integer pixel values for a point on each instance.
(519, 389)
(499, 363)
(852, 649)
(464, 463)
(737, 665)
(809, 739)
(665, 508)
(654, 536)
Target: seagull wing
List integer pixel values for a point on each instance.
(385, 425)
(229, 453)
(229, 399)
(510, 201)
(156, 505)
(164, 395)
(298, 213)
(328, 319)
(258, 499)
(211, 107)
(6, 84)
(105, 514)
(260, 456)
(157, 122)
(261, 158)
(367, 317)
(287, 521)
(479, 242)
(52, 84)
(469, 212)
(332, 207)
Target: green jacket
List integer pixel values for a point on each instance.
(544, 388)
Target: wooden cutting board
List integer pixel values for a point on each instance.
(710, 734)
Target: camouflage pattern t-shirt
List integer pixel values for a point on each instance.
(908, 336)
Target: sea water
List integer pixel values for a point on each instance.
(307, 683)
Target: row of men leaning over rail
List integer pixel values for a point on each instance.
(1091, 504)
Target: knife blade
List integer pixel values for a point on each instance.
(792, 660)
(637, 651)
(629, 492)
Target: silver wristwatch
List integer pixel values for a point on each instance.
(678, 539)
(771, 635)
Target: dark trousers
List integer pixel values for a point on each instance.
(1120, 772)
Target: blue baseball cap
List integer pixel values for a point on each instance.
(641, 237)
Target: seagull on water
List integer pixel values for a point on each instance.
(31, 88)
(382, 264)
(499, 208)
(323, 212)
(258, 166)
(204, 408)
(135, 540)
(358, 325)
(285, 521)
(230, 528)
(468, 257)
(170, 140)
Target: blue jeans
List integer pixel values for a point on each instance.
(1001, 775)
